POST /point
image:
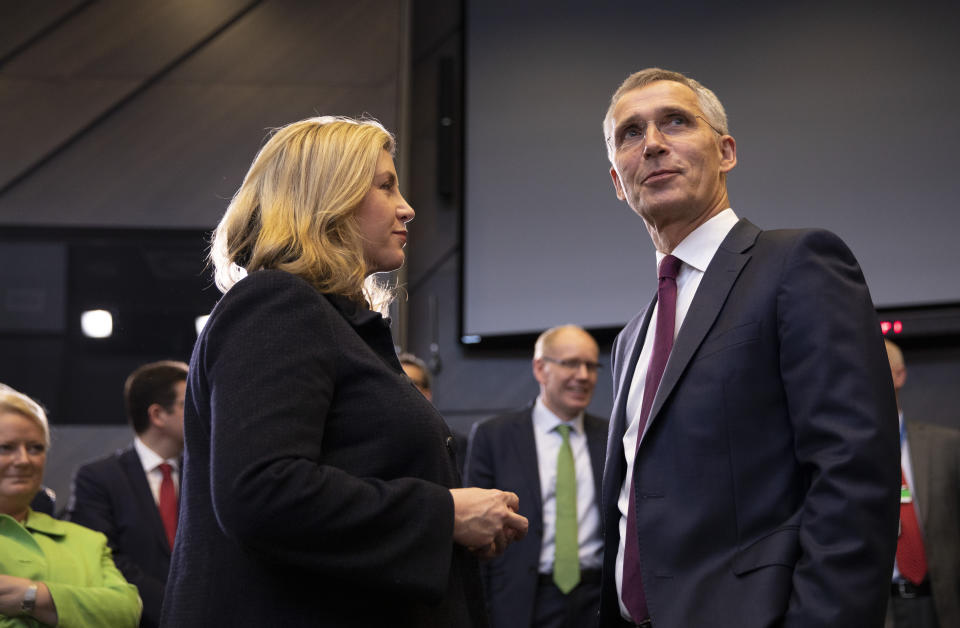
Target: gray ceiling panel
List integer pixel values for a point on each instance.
(172, 151)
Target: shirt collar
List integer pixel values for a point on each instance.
(698, 248)
(151, 459)
(545, 421)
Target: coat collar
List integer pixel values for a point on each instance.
(45, 524)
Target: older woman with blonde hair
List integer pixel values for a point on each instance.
(319, 485)
(52, 573)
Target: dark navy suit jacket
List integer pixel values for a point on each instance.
(111, 495)
(503, 454)
(767, 480)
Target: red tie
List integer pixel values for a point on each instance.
(633, 596)
(168, 503)
(911, 560)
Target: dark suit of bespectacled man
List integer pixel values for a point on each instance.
(521, 452)
(761, 488)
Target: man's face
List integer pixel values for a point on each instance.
(672, 175)
(567, 390)
(418, 378)
(173, 417)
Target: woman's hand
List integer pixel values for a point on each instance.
(486, 520)
(12, 590)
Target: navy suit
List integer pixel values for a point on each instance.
(111, 495)
(503, 454)
(767, 480)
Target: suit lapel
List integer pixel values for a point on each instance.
(596, 438)
(526, 454)
(920, 462)
(630, 353)
(133, 469)
(714, 288)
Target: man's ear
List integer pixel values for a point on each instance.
(156, 415)
(538, 374)
(617, 185)
(728, 153)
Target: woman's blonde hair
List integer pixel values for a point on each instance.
(19, 403)
(295, 208)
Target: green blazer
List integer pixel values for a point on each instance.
(75, 564)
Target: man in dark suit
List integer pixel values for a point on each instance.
(552, 577)
(127, 495)
(927, 595)
(751, 474)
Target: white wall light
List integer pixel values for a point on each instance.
(96, 324)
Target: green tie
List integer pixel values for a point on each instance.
(566, 559)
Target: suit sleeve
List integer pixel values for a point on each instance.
(107, 602)
(840, 401)
(91, 506)
(270, 361)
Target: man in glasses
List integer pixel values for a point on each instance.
(751, 475)
(550, 454)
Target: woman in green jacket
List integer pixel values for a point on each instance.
(52, 573)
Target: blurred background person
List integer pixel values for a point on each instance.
(926, 577)
(45, 501)
(131, 495)
(551, 455)
(419, 375)
(317, 483)
(51, 572)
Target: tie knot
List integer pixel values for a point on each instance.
(564, 429)
(165, 469)
(669, 267)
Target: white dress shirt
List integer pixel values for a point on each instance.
(548, 441)
(151, 462)
(695, 251)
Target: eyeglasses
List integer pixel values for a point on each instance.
(676, 124)
(573, 364)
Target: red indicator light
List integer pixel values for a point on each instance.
(897, 327)
(885, 327)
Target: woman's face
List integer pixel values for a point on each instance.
(23, 454)
(382, 217)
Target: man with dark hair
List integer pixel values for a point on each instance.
(551, 455)
(418, 373)
(751, 476)
(132, 495)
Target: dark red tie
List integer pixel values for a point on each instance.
(911, 559)
(168, 502)
(633, 596)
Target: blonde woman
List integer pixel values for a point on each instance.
(52, 573)
(319, 484)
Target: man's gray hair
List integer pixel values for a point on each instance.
(712, 108)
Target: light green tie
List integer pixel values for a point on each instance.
(566, 558)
